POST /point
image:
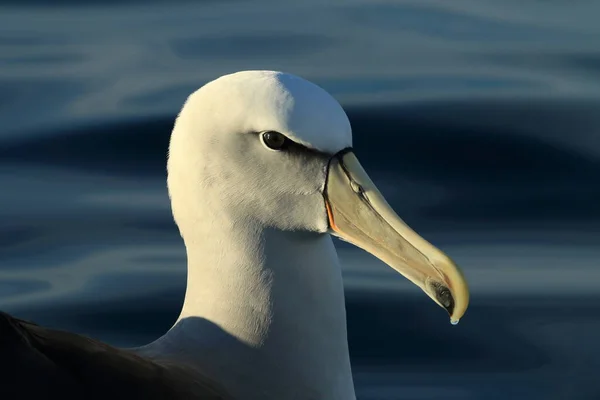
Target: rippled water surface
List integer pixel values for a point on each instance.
(478, 120)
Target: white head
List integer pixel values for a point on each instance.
(220, 162)
(218, 153)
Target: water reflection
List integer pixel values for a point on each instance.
(477, 120)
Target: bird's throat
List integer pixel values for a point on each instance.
(265, 314)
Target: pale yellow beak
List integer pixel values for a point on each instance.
(359, 214)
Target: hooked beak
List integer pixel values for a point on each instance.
(359, 214)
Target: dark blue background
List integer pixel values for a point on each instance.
(479, 120)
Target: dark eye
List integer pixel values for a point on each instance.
(274, 140)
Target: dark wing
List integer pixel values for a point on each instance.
(39, 363)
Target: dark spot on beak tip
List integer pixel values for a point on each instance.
(444, 296)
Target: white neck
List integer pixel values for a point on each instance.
(264, 314)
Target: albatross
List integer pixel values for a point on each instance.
(261, 175)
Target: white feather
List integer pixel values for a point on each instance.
(264, 310)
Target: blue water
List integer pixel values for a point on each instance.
(478, 120)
